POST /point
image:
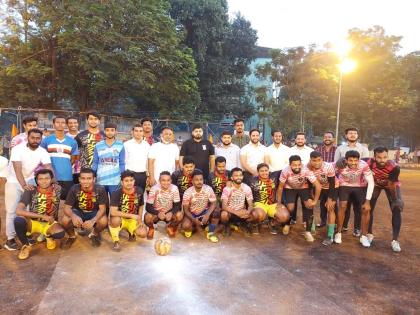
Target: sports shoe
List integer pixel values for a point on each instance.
(286, 229)
(11, 245)
(345, 228)
(41, 237)
(308, 237)
(94, 240)
(395, 246)
(51, 243)
(150, 233)
(356, 233)
(234, 227)
(187, 234)
(68, 242)
(25, 251)
(31, 241)
(320, 225)
(116, 247)
(328, 241)
(171, 230)
(273, 229)
(82, 232)
(364, 241)
(131, 237)
(255, 229)
(292, 222)
(337, 238)
(370, 237)
(212, 237)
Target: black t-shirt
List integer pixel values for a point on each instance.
(45, 203)
(127, 203)
(87, 201)
(264, 191)
(86, 142)
(181, 181)
(218, 182)
(200, 152)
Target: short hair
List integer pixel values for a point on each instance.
(196, 126)
(234, 170)
(220, 159)
(197, 172)
(352, 154)
(188, 160)
(226, 133)
(166, 128)
(71, 117)
(274, 131)
(294, 158)
(87, 170)
(331, 132)
(110, 125)
(137, 125)
(261, 165)
(143, 120)
(238, 120)
(301, 133)
(351, 129)
(164, 173)
(254, 129)
(380, 150)
(42, 172)
(315, 154)
(58, 117)
(94, 114)
(127, 173)
(29, 119)
(35, 130)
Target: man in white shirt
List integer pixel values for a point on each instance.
(301, 149)
(163, 156)
(136, 154)
(277, 155)
(28, 123)
(26, 158)
(251, 155)
(228, 150)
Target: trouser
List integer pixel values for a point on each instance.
(357, 210)
(140, 178)
(396, 205)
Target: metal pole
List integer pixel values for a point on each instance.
(338, 108)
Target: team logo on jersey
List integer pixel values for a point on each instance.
(323, 179)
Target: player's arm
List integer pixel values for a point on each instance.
(245, 164)
(95, 160)
(122, 160)
(181, 161)
(318, 188)
(212, 158)
(17, 166)
(115, 212)
(280, 192)
(151, 170)
(370, 186)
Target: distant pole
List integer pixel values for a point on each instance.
(338, 107)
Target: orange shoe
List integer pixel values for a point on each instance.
(150, 233)
(171, 230)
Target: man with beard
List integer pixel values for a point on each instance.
(385, 174)
(109, 159)
(355, 180)
(183, 178)
(294, 179)
(201, 150)
(219, 178)
(73, 127)
(240, 138)
(28, 123)
(147, 125)
(163, 204)
(87, 139)
(26, 157)
(263, 188)
(252, 155)
(199, 204)
(325, 174)
(277, 155)
(352, 136)
(228, 150)
(163, 156)
(237, 203)
(327, 149)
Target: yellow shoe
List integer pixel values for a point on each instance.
(212, 238)
(188, 234)
(234, 227)
(51, 244)
(286, 229)
(24, 252)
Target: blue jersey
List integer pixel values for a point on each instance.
(108, 162)
(60, 152)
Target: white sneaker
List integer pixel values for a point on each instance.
(395, 246)
(364, 241)
(309, 237)
(337, 238)
(370, 237)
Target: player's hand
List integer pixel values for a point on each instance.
(310, 204)
(168, 216)
(28, 187)
(161, 216)
(151, 181)
(330, 204)
(76, 220)
(366, 205)
(205, 219)
(88, 224)
(48, 219)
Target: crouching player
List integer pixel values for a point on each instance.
(163, 204)
(126, 210)
(235, 199)
(199, 204)
(43, 202)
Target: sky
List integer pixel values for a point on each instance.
(291, 23)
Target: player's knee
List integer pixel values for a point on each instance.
(102, 222)
(115, 222)
(282, 215)
(259, 214)
(148, 219)
(187, 225)
(397, 205)
(20, 222)
(65, 221)
(141, 232)
(224, 216)
(178, 216)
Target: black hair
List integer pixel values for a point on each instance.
(330, 132)
(71, 117)
(94, 114)
(35, 130)
(352, 154)
(225, 133)
(164, 173)
(274, 131)
(137, 125)
(188, 160)
(220, 159)
(351, 129)
(143, 120)
(235, 169)
(29, 119)
(58, 117)
(261, 165)
(87, 170)
(42, 172)
(238, 120)
(301, 133)
(127, 173)
(380, 150)
(110, 125)
(294, 158)
(197, 172)
(196, 126)
(254, 129)
(315, 154)
(166, 128)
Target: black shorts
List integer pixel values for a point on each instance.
(65, 188)
(358, 194)
(85, 215)
(291, 195)
(325, 194)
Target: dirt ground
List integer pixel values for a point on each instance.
(250, 275)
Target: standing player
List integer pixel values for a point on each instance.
(163, 204)
(325, 174)
(228, 150)
(73, 127)
(199, 204)
(385, 174)
(356, 181)
(182, 178)
(28, 123)
(42, 217)
(126, 210)
(294, 179)
(252, 155)
(85, 207)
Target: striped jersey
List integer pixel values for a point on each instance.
(322, 174)
(354, 177)
(198, 200)
(236, 197)
(163, 200)
(384, 175)
(108, 162)
(297, 181)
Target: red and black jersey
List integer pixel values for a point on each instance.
(384, 175)
(218, 182)
(264, 190)
(182, 181)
